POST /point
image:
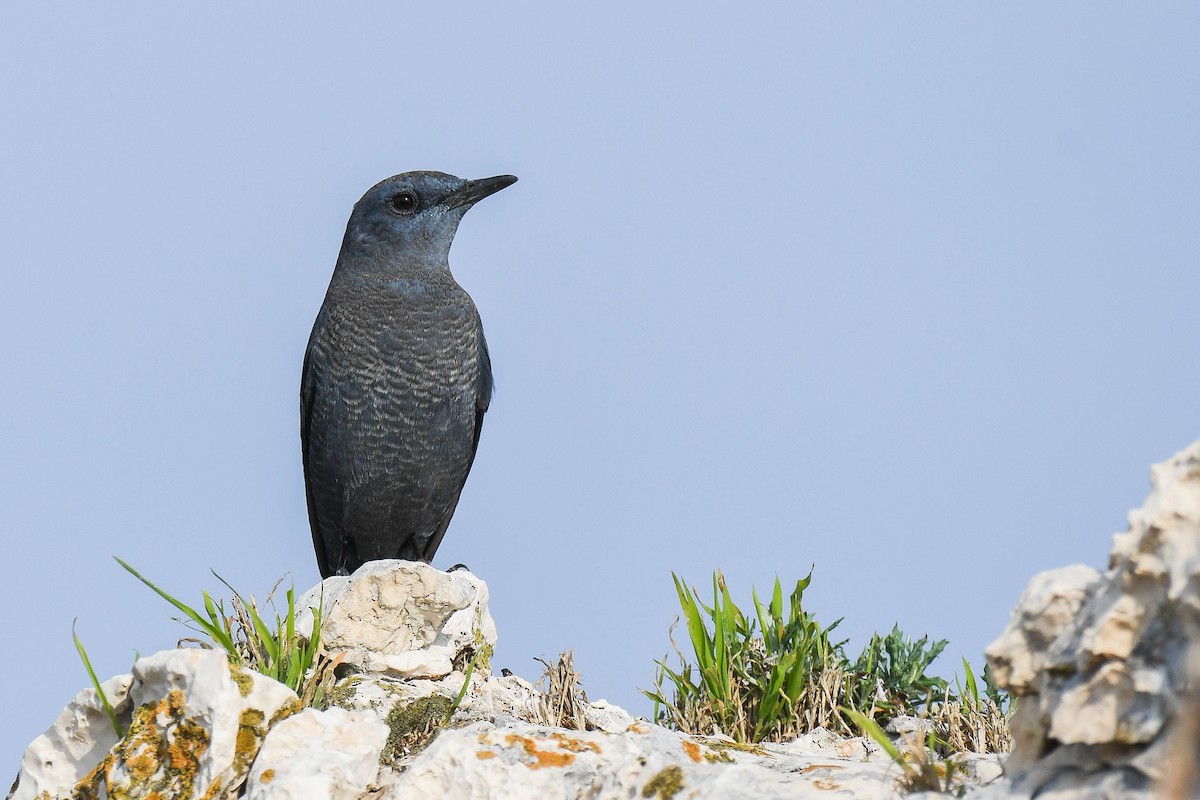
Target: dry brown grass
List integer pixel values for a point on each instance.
(563, 699)
(818, 706)
(960, 725)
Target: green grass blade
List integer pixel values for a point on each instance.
(219, 636)
(87, 664)
(803, 583)
(772, 698)
(267, 639)
(871, 728)
(463, 691)
(217, 619)
(721, 633)
(701, 645)
(797, 678)
(266, 636)
(291, 614)
(318, 615)
(972, 686)
(729, 609)
(777, 602)
(770, 638)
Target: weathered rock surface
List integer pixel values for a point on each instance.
(319, 754)
(1100, 661)
(402, 618)
(517, 760)
(77, 741)
(192, 728)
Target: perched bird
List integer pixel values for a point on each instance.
(396, 377)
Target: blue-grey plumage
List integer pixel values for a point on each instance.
(396, 377)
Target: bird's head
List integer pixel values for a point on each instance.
(413, 216)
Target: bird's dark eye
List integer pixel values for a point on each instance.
(403, 202)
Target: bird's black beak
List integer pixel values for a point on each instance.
(475, 191)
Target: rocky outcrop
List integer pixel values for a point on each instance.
(1100, 662)
(401, 618)
(511, 760)
(404, 635)
(192, 727)
(319, 754)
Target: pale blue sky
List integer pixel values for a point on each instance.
(908, 291)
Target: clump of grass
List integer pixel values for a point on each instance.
(280, 652)
(751, 673)
(972, 720)
(276, 650)
(778, 673)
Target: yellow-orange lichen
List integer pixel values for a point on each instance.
(158, 757)
(251, 731)
(241, 679)
(541, 758)
(692, 750)
(267, 776)
(291, 706)
(574, 745)
(483, 755)
(667, 783)
(214, 789)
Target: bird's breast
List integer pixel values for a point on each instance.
(430, 348)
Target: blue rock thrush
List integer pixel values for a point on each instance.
(396, 377)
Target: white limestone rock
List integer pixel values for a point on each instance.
(330, 754)
(604, 716)
(904, 726)
(1045, 609)
(518, 760)
(816, 741)
(1100, 661)
(488, 698)
(402, 618)
(980, 769)
(379, 693)
(77, 741)
(192, 725)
